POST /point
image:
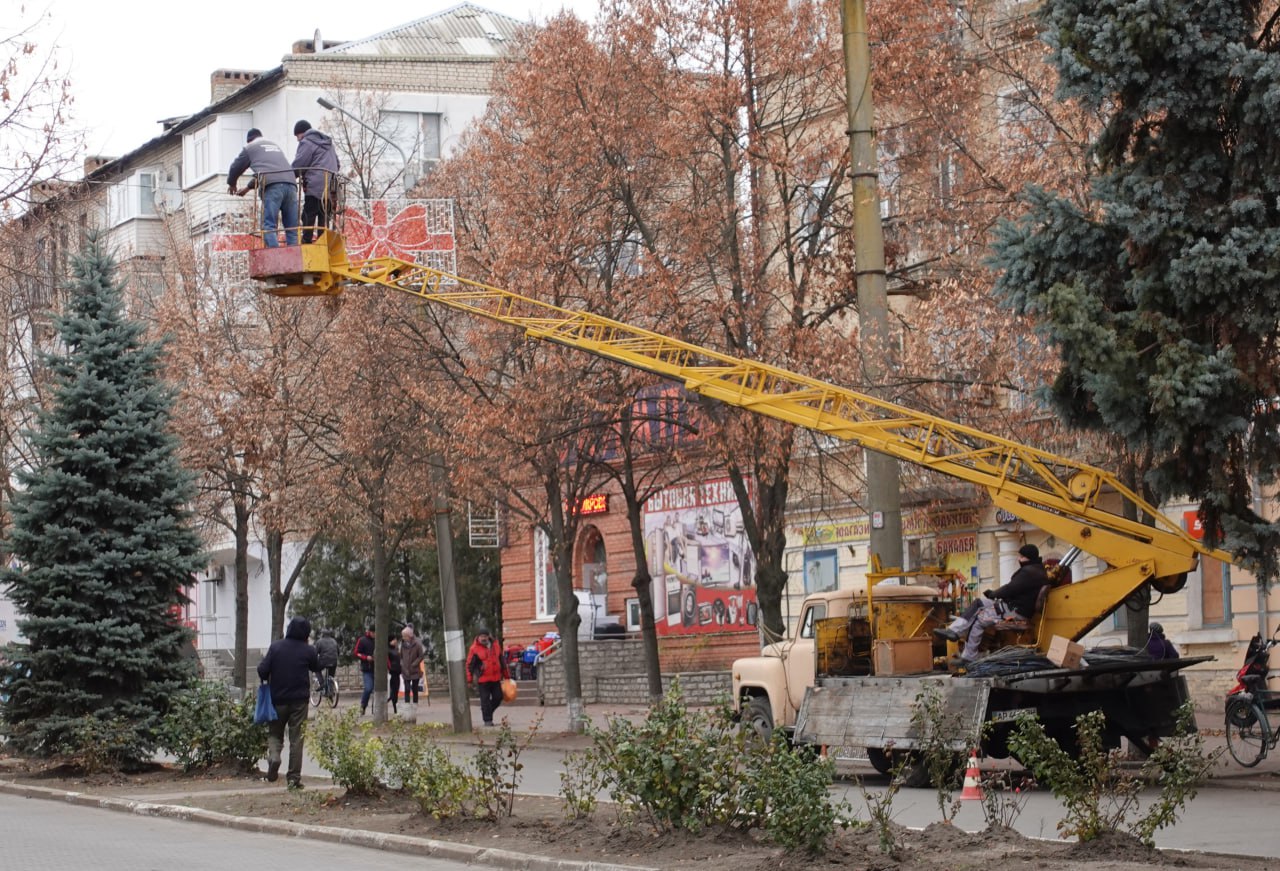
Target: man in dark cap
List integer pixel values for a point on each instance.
(288, 667)
(1016, 597)
(316, 163)
(276, 182)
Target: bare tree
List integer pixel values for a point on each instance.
(365, 140)
(36, 145)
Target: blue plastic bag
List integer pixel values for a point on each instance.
(265, 711)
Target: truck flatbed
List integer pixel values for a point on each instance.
(851, 713)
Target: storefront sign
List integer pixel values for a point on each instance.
(596, 503)
(1191, 520)
(956, 544)
(913, 523)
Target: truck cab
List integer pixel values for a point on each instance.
(834, 636)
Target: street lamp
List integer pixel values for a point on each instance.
(409, 178)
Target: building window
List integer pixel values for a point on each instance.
(209, 150)
(210, 604)
(1215, 592)
(544, 576)
(1024, 128)
(134, 197)
(417, 134)
(889, 163)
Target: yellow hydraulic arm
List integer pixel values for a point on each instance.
(1057, 494)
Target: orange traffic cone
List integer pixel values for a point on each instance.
(972, 780)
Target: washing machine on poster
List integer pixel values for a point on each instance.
(657, 551)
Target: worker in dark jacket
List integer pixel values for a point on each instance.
(288, 667)
(276, 183)
(1018, 597)
(316, 163)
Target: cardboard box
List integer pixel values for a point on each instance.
(903, 655)
(1065, 653)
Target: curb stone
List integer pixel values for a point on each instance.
(355, 837)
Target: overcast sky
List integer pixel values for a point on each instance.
(134, 62)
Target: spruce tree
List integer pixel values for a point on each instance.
(1162, 292)
(102, 537)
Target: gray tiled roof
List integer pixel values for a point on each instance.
(462, 30)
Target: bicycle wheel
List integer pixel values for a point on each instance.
(316, 692)
(332, 695)
(1247, 733)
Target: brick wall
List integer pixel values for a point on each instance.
(613, 674)
(462, 75)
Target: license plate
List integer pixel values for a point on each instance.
(1010, 716)
(846, 753)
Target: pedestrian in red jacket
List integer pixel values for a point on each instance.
(487, 667)
(364, 653)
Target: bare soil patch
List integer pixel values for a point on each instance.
(539, 826)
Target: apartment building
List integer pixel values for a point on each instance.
(417, 86)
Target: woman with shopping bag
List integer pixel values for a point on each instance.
(487, 667)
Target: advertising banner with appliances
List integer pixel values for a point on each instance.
(702, 566)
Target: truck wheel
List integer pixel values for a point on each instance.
(757, 717)
(913, 773)
(879, 760)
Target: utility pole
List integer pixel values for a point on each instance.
(454, 646)
(884, 503)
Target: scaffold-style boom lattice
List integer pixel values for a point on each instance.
(1060, 495)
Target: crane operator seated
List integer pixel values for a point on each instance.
(1016, 597)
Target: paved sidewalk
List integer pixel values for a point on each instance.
(551, 721)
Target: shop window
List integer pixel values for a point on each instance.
(821, 571)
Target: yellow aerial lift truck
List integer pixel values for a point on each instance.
(827, 685)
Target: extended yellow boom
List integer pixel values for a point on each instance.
(1059, 495)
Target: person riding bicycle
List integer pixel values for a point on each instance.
(327, 651)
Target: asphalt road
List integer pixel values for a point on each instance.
(40, 835)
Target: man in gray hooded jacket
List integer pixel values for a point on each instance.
(316, 163)
(276, 184)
